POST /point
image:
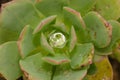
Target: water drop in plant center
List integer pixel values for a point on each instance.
(57, 40)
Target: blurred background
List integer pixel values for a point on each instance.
(3, 1)
(115, 64)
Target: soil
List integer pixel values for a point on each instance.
(115, 63)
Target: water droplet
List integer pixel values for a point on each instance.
(57, 40)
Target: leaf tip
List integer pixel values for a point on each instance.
(44, 22)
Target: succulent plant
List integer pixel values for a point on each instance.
(56, 40)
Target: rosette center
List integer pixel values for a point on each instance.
(57, 40)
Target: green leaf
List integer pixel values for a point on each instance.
(15, 15)
(64, 72)
(104, 71)
(115, 38)
(116, 30)
(34, 68)
(51, 7)
(82, 55)
(9, 61)
(108, 9)
(98, 29)
(43, 23)
(70, 13)
(73, 39)
(45, 44)
(72, 17)
(25, 41)
(83, 6)
(57, 59)
(55, 7)
(102, 53)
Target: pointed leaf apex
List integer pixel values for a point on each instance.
(77, 16)
(23, 32)
(73, 39)
(20, 39)
(44, 23)
(71, 11)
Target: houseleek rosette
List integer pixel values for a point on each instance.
(56, 43)
(58, 46)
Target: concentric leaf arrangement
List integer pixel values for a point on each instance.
(58, 39)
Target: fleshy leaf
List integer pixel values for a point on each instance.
(64, 72)
(44, 23)
(73, 39)
(70, 13)
(9, 61)
(72, 17)
(104, 71)
(15, 15)
(108, 9)
(54, 7)
(57, 59)
(83, 6)
(34, 68)
(45, 44)
(115, 38)
(25, 41)
(102, 53)
(99, 29)
(82, 55)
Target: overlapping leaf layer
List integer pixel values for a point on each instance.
(56, 39)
